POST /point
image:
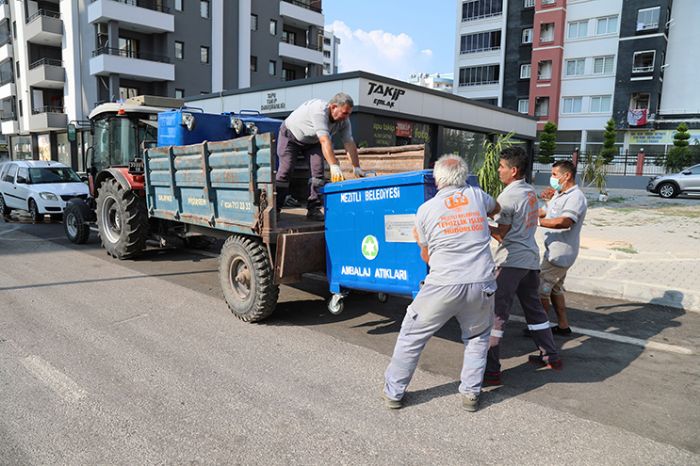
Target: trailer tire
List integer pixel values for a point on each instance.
(75, 225)
(246, 276)
(122, 220)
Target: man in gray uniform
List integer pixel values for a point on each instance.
(308, 131)
(452, 232)
(518, 262)
(563, 220)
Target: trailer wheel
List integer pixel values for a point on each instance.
(246, 276)
(122, 220)
(76, 228)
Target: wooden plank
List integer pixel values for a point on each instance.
(299, 253)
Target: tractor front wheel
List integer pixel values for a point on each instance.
(121, 220)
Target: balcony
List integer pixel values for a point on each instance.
(6, 51)
(44, 27)
(300, 54)
(48, 118)
(46, 73)
(7, 89)
(141, 16)
(301, 13)
(9, 124)
(4, 11)
(133, 65)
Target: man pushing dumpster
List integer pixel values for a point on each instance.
(308, 131)
(453, 234)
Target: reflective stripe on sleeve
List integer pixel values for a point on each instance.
(496, 333)
(542, 326)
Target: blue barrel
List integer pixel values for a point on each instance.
(263, 123)
(191, 126)
(369, 241)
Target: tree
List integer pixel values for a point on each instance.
(609, 135)
(680, 155)
(548, 143)
(488, 177)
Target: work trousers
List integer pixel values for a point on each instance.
(288, 149)
(524, 284)
(472, 305)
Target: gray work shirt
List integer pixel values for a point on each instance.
(311, 120)
(453, 225)
(562, 245)
(519, 209)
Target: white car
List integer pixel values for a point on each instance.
(39, 187)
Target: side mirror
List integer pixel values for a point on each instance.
(687, 172)
(84, 178)
(21, 180)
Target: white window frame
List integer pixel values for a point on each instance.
(607, 20)
(646, 27)
(525, 71)
(539, 113)
(204, 9)
(600, 102)
(529, 4)
(548, 2)
(545, 28)
(576, 26)
(606, 59)
(577, 62)
(523, 103)
(527, 36)
(569, 104)
(646, 69)
(178, 5)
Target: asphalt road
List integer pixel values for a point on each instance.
(130, 362)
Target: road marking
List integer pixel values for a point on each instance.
(57, 381)
(653, 345)
(9, 230)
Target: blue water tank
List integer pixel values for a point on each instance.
(369, 241)
(191, 126)
(263, 123)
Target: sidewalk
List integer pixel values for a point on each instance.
(639, 247)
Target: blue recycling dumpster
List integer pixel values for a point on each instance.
(369, 241)
(264, 123)
(192, 126)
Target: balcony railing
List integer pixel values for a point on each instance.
(6, 81)
(130, 54)
(7, 116)
(47, 109)
(154, 5)
(303, 4)
(481, 49)
(317, 47)
(47, 13)
(46, 61)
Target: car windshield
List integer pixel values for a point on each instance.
(53, 175)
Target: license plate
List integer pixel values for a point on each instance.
(136, 167)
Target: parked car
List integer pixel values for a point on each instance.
(39, 187)
(686, 182)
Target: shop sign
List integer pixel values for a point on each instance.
(272, 103)
(404, 129)
(384, 95)
(661, 136)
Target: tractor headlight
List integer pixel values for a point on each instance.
(188, 121)
(48, 196)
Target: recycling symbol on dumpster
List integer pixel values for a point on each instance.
(370, 247)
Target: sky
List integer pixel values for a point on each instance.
(393, 37)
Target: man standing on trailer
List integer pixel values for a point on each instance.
(453, 234)
(308, 131)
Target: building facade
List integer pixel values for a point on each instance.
(437, 81)
(331, 43)
(61, 58)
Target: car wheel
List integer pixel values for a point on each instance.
(34, 212)
(668, 190)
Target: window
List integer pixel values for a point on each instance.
(600, 104)
(525, 71)
(253, 63)
(576, 67)
(17, 66)
(10, 174)
(478, 75)
(606, 25)
(643, 62)
(178, 5)
(204, 9)
(529, 4)
(547, 32)
(578, 29)
(639, 101)
(648, 18)
(179, 93)
(571, 104)
(548, 2)
(544, 70)
(179, 49)
(542, 106)
(527, 36)
(523, 105)
(480, 42)
(273, 27)
(289, 37)
(204, 54)
(23, 173)
(128, 47)
(253, 22)
(272, 67)
(603, 65)
(126, 92)
(475, 9)
(288, 74)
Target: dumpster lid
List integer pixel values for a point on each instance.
(384, 181)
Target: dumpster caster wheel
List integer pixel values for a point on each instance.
(382, 297)
(335, 304)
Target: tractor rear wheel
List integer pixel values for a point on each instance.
(121, 220)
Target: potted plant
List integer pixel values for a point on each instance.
(488, 173)
(595, 174)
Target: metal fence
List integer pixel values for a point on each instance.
(622, 165)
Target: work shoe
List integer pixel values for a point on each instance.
(315, 214)
(390, 403)
(562, 332)
(492, 379)
(538, 360)
(289, 201)
(470, 401)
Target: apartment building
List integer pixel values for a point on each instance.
(579, 63)
(437, 81)
(60, 58)
(331, 43)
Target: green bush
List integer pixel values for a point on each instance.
(680, 156)
(609, 150)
